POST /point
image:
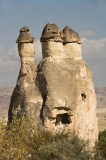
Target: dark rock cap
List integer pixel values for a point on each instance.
(70, 36)
(51, 31)
(25, 36)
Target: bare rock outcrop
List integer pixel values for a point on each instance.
(70, 36)
(69, 101)
(52, 71)
(71, 44)
(26, 99)
(85, 119)
(58, 93)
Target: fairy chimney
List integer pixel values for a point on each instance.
(25, 44)
(51, 41)
(55, 81)
(69, 101)
(58, 93)
(26, 99)
(85, 119)
(72, 43)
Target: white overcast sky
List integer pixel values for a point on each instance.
(87, 17)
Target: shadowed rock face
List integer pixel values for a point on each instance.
(51, 32)
(70, 36)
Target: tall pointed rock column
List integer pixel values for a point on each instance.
(72, 44)
(26, 99)
(56, 85)
(85, 119)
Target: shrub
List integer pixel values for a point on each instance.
(21, 141)
(100, 147)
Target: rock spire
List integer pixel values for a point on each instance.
(58, 93)
(72, 44)
(26, 99)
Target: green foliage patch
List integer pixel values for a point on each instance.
(20, 140)
(100, 147)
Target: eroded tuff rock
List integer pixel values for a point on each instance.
(51, 32)
(51, 40)
(70, 36)
(26, 99)
(71, 44)
(69, 100)
(59, 92)
(25, 36)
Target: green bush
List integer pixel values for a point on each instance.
(100, 147)
(21, 141)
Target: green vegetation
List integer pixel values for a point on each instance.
(21, 141)
(100, 147)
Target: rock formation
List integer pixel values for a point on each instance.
(85, 120)
(69, 101)
(59, 92)
(26, 99)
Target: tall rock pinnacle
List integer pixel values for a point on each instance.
(69, 101)
(26, 99)
(59, 83)
(52, 39)
(72, 43)
(58, 93)
(85, 119)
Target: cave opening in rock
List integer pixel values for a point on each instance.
(83, 95)
(63, 119)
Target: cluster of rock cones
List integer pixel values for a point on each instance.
(58, 93)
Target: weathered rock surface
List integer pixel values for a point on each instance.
(59, 92)
(69, 100)
(51, 33)
(70, 36)
(26, 99)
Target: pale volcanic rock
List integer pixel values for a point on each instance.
(58, 89)
(85, 119)
(58, 93)
(25, 44)
(65, 82)
(51, 32)
(25, 36)
(51, 40)
(52, 49)
(70, 36)
(26, 99)
(72, 44)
